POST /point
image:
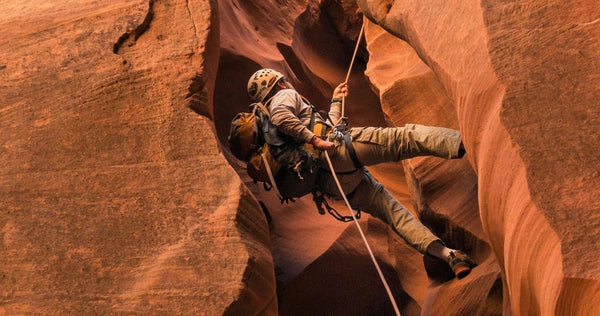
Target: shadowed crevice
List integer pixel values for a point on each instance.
(129, 38)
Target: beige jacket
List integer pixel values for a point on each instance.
(291, 114)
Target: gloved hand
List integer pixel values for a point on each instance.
(323, 144)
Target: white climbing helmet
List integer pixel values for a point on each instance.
(261, 83)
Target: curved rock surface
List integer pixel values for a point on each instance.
(522, 78)
(118, 193)
(114, 195)
(445, 191)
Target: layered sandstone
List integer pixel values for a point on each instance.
(444, 191)
(522, 79)
(118, 193)
(114, 194)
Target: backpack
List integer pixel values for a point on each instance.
(273, 158)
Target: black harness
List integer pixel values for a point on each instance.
(275, 138)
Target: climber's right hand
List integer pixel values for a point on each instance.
(341, 91)
(323, 144)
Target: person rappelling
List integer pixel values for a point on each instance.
(351, 149)
(297, 150)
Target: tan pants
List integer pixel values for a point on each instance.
(376, 145)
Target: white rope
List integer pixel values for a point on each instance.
(360, 34)
(381, 276)
(385, 284)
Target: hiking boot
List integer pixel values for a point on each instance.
(460, 263)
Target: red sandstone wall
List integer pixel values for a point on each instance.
(521, 78)
(114, 194)
(444, 191)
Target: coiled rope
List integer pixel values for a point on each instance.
(355, 220)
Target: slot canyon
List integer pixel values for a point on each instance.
(119, 193)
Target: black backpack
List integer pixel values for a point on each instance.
(277, 160)
(273, 158)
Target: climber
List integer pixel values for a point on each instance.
(351, 149)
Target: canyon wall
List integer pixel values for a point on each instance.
(522, 78)
(114, 195)
(322, 267)
(118, 193)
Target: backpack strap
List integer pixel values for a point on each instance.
(263, 108)
(318, 128)
(270, 174)
(325, 116)
(312, 117)
(313, 111)
(269, 132)
(348, 143)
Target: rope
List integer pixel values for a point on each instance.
(355, 220)
(385, 284)
(362, 30)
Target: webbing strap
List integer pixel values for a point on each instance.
(351, 151)
(317, 127)
(320, 130)
(311, 125)
(270, 174)
(264, 108)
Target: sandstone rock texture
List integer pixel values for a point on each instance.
(118, 193)
(114, 195)
(445, 192)
(522, 78)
